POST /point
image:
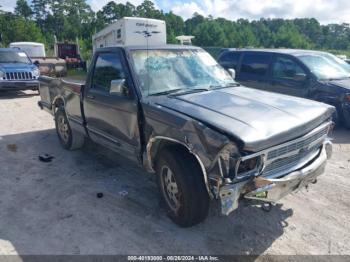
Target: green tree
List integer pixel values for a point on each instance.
(209, 33)
(71, 19)
(14, 28)
(288, 36)
(148, 10)
(112, 11)
(23, 9)
(174, 26)
(40, 12)
(192, 23)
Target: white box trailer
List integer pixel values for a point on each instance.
(31, 48)
(131, 31)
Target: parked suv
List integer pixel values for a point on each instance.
(17, 72)
(310, 74)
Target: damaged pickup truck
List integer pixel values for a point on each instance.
(177, 113)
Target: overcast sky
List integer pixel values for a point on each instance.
(326, 11)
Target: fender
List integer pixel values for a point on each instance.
(54, 102)
(150, 160)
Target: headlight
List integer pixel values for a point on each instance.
(247, 167)
(2, 74)
(36, 72)
(232, 165)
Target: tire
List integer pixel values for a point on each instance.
(190, 205)
(68, 138)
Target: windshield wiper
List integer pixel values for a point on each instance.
(167, 92)
(181, 91)
(225, 86)
(335, 79)
(192, 90)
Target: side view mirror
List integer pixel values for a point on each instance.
(232, 72)
(300, 77)
(36, 63)
(118, 87)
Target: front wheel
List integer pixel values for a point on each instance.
(182, 187)
(69, 138)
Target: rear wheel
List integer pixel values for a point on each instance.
(182, 187)
(69, 138)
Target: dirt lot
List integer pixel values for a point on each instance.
(52, 208)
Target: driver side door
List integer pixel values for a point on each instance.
(111, 117)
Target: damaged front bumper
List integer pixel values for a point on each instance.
(273, 189)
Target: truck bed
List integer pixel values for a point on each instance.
(54, 91)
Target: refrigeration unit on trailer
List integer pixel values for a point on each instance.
(131, 31)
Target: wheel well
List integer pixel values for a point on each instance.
(58, 102)
(163, 144)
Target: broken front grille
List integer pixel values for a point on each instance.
(297, 145)
(19, 76)
(289, 155)
(285, 163)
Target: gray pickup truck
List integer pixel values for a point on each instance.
(177, 113)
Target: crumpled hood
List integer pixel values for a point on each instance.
(13, 67)
(257, 119)
(344, 83)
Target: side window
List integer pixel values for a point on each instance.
(230, 59)
(255, 64)
(108, 67)
(285, 67)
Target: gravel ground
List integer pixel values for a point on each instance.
(52, 208)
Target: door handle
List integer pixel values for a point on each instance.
(90, 96)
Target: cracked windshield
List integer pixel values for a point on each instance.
(172, 71)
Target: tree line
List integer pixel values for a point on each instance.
(69, 20)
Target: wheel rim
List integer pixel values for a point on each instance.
(170, 188)
(63, 128)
